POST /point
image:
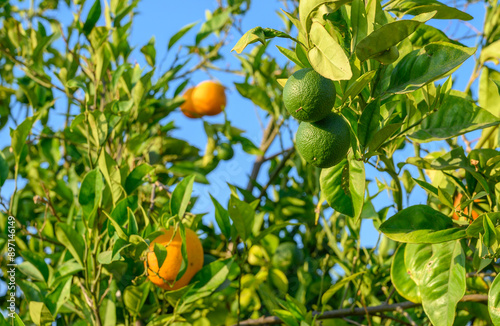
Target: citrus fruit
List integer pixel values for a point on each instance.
(225, 151)
(286, 255)
(323, 143)
(389, 56)
(208, 98)
(187, 107)
(165, 276)
(456, 204)
(308, 96)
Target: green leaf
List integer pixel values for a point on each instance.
(383, 135)
(256, 94)
(39, 313)
(212, 25)
(72, 240)
(494, 301)
(355, 88)
(4, 169)
(385, 37)
(326, 56)
(306, 9)
(107, 311)
(99, 127)
(35, 265)
(456, 116)
(477, 226)
(111, 173)
(291, 55)
(90, 195)
(222, 218)
(177, 36)
(333, 182)
(421, 224)
(430, 63)
(426, 34)
(369, 122)
(417, 7)
(92, 17)
(19, 136)
(427, 187)
(160, 253)
(207, 280)
(243, 216)
(134, 297)
(337, 286)
(258, 34)
(59, 296)
(439, 272)
(181, 196)
(117, 227)
(149, 52)
(401, 278)
(134, 179)
(357, 182)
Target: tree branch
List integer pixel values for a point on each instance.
(341, 313)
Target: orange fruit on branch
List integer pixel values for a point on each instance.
(456, 204)
(187, 107)
(208, 98)
(165, 276)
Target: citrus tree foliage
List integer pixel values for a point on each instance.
(96, 181)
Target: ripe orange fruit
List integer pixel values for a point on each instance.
(456, 204)
(187, 107)
(208, 98)
(165, 276)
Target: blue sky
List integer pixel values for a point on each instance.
(162, 19)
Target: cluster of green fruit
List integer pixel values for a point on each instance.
(323, 137)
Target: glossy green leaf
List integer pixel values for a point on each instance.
(90, 195)
(149, 52)
(72, 240)
(134, 297)
(59, 296)
(92, 17)
(421, 224)
(181, 196)
(426, 34)
(291, 55)
(430, 63)
(213, 24)
(177, 36)
(385, 37)
(107, 311)
(40, 314)
(326, 56)
(256, 94)
(160, 253)
(222, 218)
(242, 215)
(99, 127)
(439, 272)
(337, 286)
(417, 7)
(19, 136)
(456, 116)
(369, 122)
(135, 178)
(401, 279)
(383, 135)
(355, 88)
(357, 181)
(334, 184)
(4, 169)
(111, 173)
(494, 301)
(207, 280)
(306, 9)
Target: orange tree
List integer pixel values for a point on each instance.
(91, 195)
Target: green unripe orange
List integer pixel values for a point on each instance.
(308, 96)
(324, 143)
